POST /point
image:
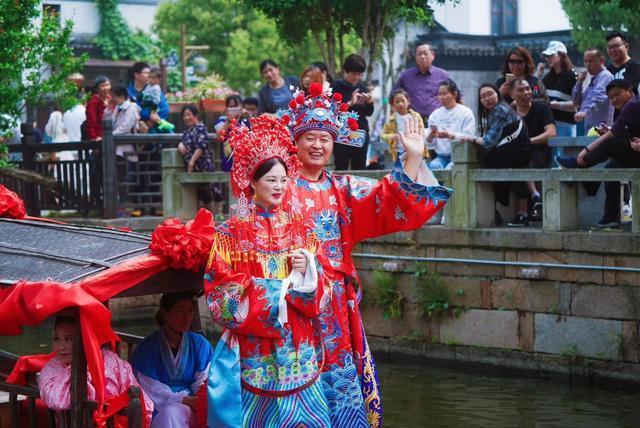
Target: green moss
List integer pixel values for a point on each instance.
(432, 293)
(385, 294)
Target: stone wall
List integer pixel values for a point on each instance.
(573, 314)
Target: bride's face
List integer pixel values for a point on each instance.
(270, 188)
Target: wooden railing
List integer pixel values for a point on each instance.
(81, 413)
(89, 181)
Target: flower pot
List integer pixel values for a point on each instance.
(212, 105)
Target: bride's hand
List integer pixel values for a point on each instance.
(298, 261)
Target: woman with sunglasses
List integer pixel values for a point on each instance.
(518, 64)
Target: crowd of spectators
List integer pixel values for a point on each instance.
(517, 115)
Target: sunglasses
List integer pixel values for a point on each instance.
(516, 61)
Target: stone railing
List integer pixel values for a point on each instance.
(472, 204)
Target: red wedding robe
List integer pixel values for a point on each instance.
(346, 210)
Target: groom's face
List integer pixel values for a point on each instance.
(315, 148)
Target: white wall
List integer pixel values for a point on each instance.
(87, 20)
(466, 17)
(474, 16)
(537, 16)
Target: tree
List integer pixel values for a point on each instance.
(116, 40)
(238, 36)
(35, 60)
(591, 20)
(371, 20)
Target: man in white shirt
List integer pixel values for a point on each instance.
(72, 121)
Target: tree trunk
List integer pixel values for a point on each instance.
(376, 40)
(321, 46)
(331, 39)
(365, 29)
(341, 44)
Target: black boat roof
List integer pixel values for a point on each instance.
(33, 250)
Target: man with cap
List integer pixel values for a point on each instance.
(345, 210)
(559, 81)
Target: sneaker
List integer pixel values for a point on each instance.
(608, 222)
(536, 208)
(567, 161)
(521, 220)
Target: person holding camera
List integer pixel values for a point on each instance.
(589, 93)
(359, 99)
(620, 143)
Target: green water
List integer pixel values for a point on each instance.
(432, 396)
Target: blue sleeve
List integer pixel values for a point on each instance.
(599, 92)
(498, 119)
(204, 351)
(163, 108)
(143, 358)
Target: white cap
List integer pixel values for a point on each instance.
(554, 47)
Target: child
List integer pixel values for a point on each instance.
(55, 378)
(151, 98)
(401, 104)
(250, 107)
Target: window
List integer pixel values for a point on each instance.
(504, 16)
(51, 9)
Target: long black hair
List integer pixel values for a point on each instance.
(483, 113)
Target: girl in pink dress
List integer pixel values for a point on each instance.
(55, 378)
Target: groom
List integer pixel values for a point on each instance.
(345, 210)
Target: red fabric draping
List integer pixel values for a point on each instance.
(29, 303)
(11, 206)
(28, 364)
(185, 246)
(114, 405)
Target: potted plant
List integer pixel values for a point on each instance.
(212, 92)
(180, 99)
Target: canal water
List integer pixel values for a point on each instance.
(433, 396)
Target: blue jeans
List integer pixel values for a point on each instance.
(440, 162)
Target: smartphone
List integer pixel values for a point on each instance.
(509, 77)
(434, 128)
(236, 111)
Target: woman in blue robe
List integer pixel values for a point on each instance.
(172, 363)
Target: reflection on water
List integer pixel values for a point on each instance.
(431, 396)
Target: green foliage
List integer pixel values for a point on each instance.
(571, 354)
(371, 20)
(116, 40)
(239, 38)
(35, 62)
(385, 294)
(432, 293)
(591, 20)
